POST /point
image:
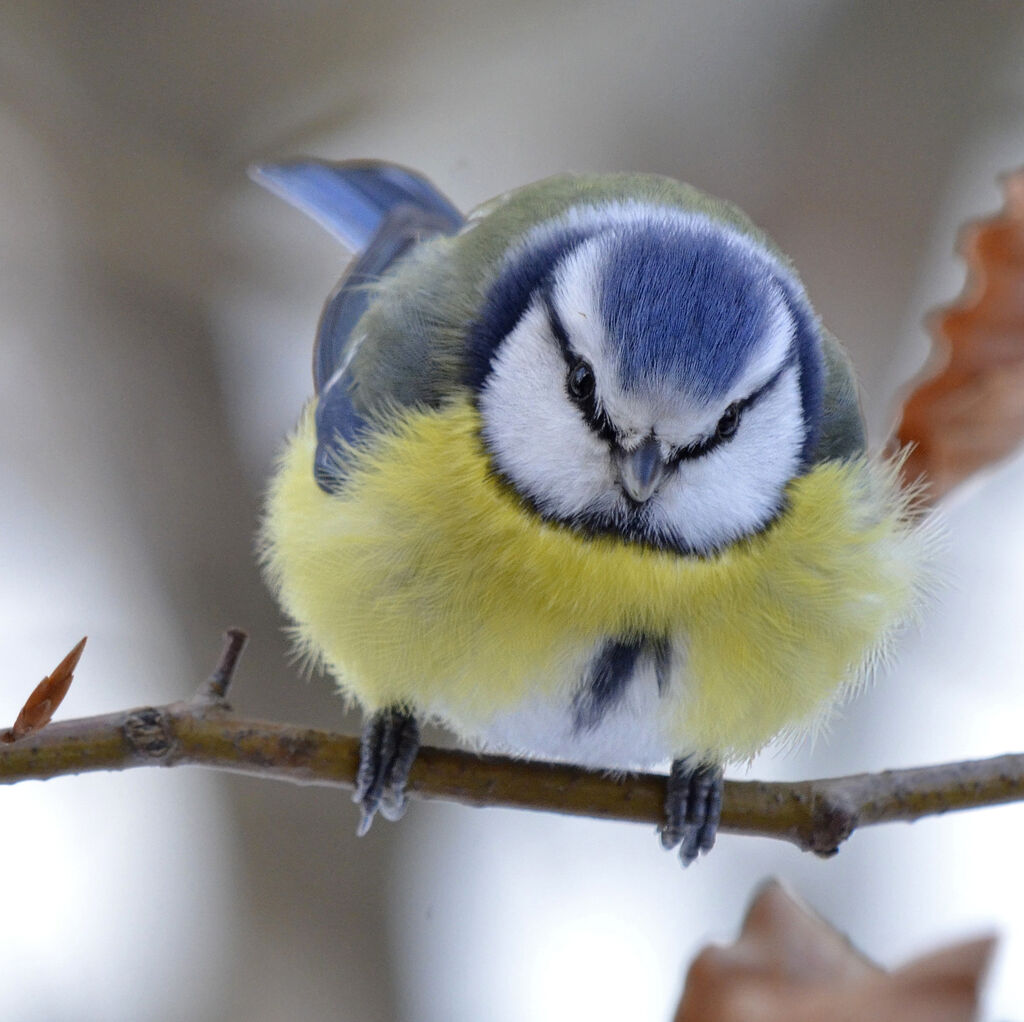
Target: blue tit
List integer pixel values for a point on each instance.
(584, 478)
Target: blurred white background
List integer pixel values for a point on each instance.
(157, 319)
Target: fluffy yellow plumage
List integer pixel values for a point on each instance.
(425, 583)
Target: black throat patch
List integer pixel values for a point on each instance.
(610, 673)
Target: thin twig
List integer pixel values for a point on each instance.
(815, 815)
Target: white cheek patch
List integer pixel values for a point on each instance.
(541, 443)
(537, 437)
(737, 488)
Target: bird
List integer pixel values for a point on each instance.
(583, 478)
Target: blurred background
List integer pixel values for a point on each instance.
(156, 318)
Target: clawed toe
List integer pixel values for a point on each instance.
(693, 808)
(387, 750)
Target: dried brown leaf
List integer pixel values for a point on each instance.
(789, 965)
(47, 696)
(967, 410)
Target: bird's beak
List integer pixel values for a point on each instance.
(640, 471)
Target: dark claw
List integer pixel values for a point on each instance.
(387, 749)
(693, 807)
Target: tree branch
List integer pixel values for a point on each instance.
(815, 815)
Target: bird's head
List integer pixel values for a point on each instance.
(650, 373)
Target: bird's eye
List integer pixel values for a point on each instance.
(729, 422)
(580, 380)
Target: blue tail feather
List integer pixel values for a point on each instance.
(352, 199)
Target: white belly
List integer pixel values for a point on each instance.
(630, 734)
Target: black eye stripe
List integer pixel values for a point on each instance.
(557, 327)
(702, 447)
(787, 362)
(594, 416)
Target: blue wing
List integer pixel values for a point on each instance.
(379, 211)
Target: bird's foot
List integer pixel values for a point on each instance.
(693, 807)
(387, 749)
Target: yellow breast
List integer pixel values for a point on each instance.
(426, 583)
